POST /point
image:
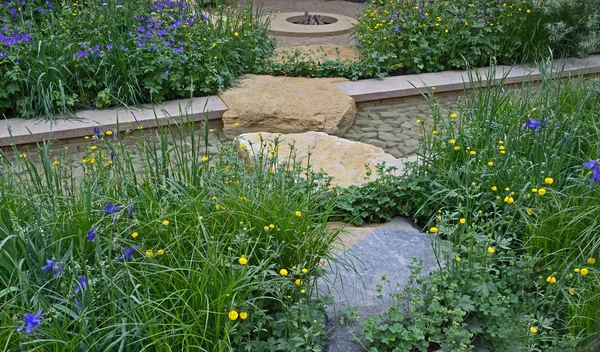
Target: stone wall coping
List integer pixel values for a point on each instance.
(410, 85)
(21, 131)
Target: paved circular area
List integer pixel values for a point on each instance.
(285, 24)
(273, 7)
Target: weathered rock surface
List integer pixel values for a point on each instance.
(340, 158)
(287, 105)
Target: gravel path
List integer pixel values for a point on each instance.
(345, 8)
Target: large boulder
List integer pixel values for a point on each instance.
(287, 105)
(340, 158)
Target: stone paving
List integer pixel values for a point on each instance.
(391, 124)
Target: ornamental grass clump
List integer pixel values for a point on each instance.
(147, 246)
(56, 57)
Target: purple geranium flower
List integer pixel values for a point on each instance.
(166, 73)
(128, 253)
(31, 322)
(91, 235)
(81, 284)
(54, 266)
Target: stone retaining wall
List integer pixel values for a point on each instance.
(75, 150)
(391, 124)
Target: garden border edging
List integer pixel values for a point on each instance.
(19, 131)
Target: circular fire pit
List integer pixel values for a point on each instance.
(288, 24)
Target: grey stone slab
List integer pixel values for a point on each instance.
(19, 131)
(384, 127)
(385, 136)
(375, 142)
(352, 279)
(413, 85)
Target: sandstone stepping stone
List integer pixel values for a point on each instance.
(287, 105)
(318, 53)
(386, 250)
(340, 158)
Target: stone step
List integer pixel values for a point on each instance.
(352, 278)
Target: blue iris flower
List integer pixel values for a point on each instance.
(535, 124)
(128, 253)
(54, 266)
(82, 284)
(594, 165)
(31, 321)
(91, 235)
(130, 209)
(111, 209)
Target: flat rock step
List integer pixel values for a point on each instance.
(380, 250)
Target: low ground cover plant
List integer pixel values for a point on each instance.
(510, 183)
(416, 36)
(59, 56)
(160, 247)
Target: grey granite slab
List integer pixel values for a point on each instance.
(353, 277)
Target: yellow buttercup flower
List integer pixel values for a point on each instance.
(283, 272)
(418, 121)
(149, 253)
(591, 260)
(271, 226)
(298, 213)
(490, 163)
(134, 235)
(109, 133)
(233, 315)
(433, 230)
(243, 315)
(576, 270)
(548, 180)
(551, 280)
(457, 259)
(584, 271)
(541, 191)
(491, 250)
(56, 163)
(472, 152)
(204, 159)
(452, 141)
(243, 260)
(462, 220)
(304, 270)
(165, 222)
(572, 291)
(457, 148)
(298, 282)
(160, 252)
(533, 330)
(494, 188)
(529, 211)
(509, 200)
(453, 115)
(534, 190)
(266, 228)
